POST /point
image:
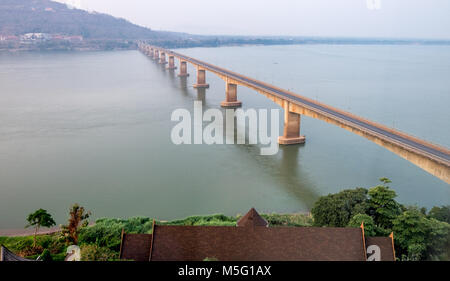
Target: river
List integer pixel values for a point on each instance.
(94, 128)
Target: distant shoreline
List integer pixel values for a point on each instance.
(205, 42)
(28, 231)
(20, 232)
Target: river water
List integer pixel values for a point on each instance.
(94, 128)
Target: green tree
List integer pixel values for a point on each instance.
(410, 232)
(38, 219)
(417, 237)
(440, 213)
(337, 209)
(382, 206)
(77, 220)
(369, 225)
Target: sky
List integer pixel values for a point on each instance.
(428, 19)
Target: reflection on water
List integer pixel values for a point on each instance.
(66, 137)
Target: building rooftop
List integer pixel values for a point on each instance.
(252, 240)
(252, 218)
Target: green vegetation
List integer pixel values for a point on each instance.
(369, 225)
(101, 242)
(210, 259)
(337, 209)
(417, 235)
(29, 16)
(23, 246)
(93, 252)
(440, 213)
(39, 219)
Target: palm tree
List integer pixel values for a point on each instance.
(38, 219)
(77, 219)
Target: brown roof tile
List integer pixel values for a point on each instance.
(136, 247)
(252, 218)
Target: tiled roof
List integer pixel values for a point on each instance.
(385, 246)
(252, 240)
(252, 218)
(136, 247)
(195, 243)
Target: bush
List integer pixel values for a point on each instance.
(288, 219)
(103, 234)
(46, 256)
(336, 210)
(382, 206)
(96, 253)
(217, 219)
(106, 232)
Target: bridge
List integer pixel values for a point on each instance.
(430, 157)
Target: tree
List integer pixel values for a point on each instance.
(438, 240)
(96, 253)
(77, 220)
(38, 219)
(369, 225)
(382, 206)
(411, 231)
(337, 209)
(420, 238)
(440, 213)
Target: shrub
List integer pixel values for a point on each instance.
(337, 209)
(417, 237)
(96, 253)
(369, 225)
(106, 232)
(46, 256)
(288, 219)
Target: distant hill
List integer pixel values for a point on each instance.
(27, 25)
(18, 17)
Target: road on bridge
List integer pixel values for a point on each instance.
(435, 153)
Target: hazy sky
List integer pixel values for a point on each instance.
(357, 18)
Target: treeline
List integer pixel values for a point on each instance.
(418, 234)
(62, 45)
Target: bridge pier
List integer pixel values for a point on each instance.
(162, 59)
(231, 96)
(150, 52)
(201, 79)
(156, 55)
(171, 63)
(291, 130)
(183, 69)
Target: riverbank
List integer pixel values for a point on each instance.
(21, 232)
(27, 231)
(101, 241)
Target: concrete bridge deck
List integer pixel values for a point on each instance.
(430, 157)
